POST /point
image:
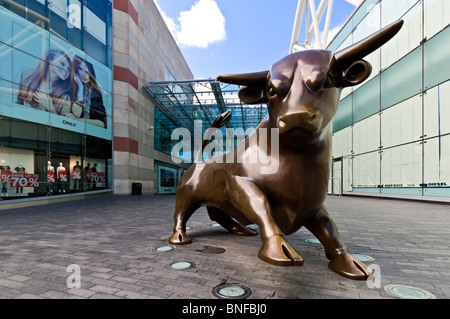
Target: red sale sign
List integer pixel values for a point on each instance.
(51, 177)
(88, 175)
(24, 180)
(76, 173)
(62, 176)
(5, 176)
(97, 177)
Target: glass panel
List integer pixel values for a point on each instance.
(402, 80)
(436, 16)
(366, 170)
(95, 26)
(402, 123)
(437, 115)
(342, 143)
(437, 56)
(437, 162)
(22, 34)
(343, 117)
(366, 135)
(402, 166)
(409, 36)
(366, 100)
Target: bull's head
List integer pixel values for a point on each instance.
(303, 89)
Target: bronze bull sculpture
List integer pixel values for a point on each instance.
(302, 92)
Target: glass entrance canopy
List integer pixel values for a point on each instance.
(184, 102)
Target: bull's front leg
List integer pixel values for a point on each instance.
(248, 197)
(341, 262)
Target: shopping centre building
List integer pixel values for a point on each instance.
(392, 134)
(74, 117)
(91, 91)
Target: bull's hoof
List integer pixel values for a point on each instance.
(347, 266)
(179, 237)
(277, 251)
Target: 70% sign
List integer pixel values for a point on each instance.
(24, 180)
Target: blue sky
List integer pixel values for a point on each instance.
(236, 36)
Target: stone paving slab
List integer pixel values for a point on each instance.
(112, 239)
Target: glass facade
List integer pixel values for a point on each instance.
(391, 134)
(55, 97)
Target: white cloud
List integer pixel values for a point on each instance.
(171, 25)
(201, 26)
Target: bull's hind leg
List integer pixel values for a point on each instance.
(229, 223)
(183, 211)
(341, 262)
(248, 198)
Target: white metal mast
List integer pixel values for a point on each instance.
(308, 8)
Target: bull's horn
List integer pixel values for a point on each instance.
(247, 79)
(368, 45)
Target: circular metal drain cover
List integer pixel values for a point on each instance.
(181, 265)
(164, 237)
(213, 250)
(313, 241)
(231, 291)
(163, 249)
(408, 292)
(363, 258)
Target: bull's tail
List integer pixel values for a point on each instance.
(220, 121)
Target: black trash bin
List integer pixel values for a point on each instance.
(136, 189)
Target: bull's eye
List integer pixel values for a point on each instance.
(329, 81)
(272, 92)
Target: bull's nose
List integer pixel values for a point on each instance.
(310, 121)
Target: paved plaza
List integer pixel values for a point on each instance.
(112, 243)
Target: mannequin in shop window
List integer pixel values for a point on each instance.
(76, 176)
(50, 172)
(62, 177)
(5, 176)
(87, 173)
(21, 170)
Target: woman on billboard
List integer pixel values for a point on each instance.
(52, 75)
(88, 99)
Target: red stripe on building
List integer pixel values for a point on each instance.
(125, 144)
(125, 75)
(127, 6)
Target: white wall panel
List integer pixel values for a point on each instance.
(402, 123)
(436, 16)
(402, 166)
(366, 135)
(366, 170)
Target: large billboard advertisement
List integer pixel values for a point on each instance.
(44, 79)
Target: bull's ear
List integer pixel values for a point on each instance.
(252, 95)
(357, 73)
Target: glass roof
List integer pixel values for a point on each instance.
(184, 102)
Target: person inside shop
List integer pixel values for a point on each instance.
(62, 177)
(77, 176)
(48, 86)
(19, 169)
(94, 170)
(87, 95)
(4, 172)
(50, 172)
